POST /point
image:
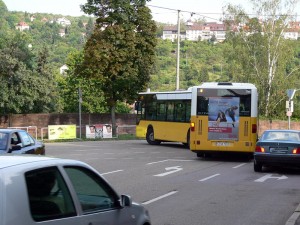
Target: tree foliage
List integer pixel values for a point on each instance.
(120, 52)
(261, 52)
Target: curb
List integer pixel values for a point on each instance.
(293, 219)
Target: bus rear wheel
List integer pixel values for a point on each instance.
(150, 137)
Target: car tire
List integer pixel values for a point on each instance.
(257, 166)
(150, 137)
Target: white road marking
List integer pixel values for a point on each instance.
(239, 165)
(172, 160)
(207, 178)
(171, 170)
(268, 176)
(116, 171)
(157, 162)
(160, 197)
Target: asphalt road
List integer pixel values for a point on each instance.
(180, 189)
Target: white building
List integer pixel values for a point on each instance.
(22, 26)
(63, 69)
(63, 21)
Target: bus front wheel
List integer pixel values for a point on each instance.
(150, 137)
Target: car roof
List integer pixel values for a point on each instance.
(14, 160)
(9, 130)
(281, 130)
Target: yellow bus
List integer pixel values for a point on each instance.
(164, 116)
(223, 118)
(211, 117)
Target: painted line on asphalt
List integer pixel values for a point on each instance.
(210, 177)
(171, 160)
(160, 197)
(157, 162)
(239, 165)
(116, 171)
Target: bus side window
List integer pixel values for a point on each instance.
(188, 112)
(161, 112)
(151, 111)
(170, 111)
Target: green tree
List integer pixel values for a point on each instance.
(121, 51)
(260, 50)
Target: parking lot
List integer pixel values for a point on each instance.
(178, 188)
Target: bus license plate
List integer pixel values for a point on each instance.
(219, 143)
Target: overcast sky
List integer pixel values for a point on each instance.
(209, 9)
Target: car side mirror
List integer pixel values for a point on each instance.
(125, 200)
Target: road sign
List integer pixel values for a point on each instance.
(291, 93)
(289, 113)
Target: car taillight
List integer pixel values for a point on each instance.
(254, 128)
(259, 149)
(296, 151)
(192, 126)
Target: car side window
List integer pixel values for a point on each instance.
(26, 138)
(93, 192)
(15, 139)
(49, 197)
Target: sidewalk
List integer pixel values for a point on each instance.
(295, 218)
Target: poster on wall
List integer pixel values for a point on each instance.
(99, 131)
(61, 132)
(223, 118)
(90, 131)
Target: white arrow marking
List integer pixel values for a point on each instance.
(173, 169)
(268, 176)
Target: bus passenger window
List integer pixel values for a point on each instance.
(161, 113)
(179, 112)
(170, 111)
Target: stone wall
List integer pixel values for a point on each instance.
(125, 122)
(40, 122)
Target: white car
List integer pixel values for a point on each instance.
(52, 191)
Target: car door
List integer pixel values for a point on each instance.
(99, 203)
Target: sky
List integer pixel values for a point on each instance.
(211, 9)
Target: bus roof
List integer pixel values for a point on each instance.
(170, 95)
(224, 85)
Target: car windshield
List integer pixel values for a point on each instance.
(3, 141)
(280, 136)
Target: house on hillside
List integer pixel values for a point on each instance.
(63, 21)
(170, 33)
(194, 31)
(218, 30)
(32, 18)
(45, 20)
(293, 31)
(63, 69)
(62, 32)
(22, 26)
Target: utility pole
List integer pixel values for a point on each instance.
(178, 51)
(79, 109)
